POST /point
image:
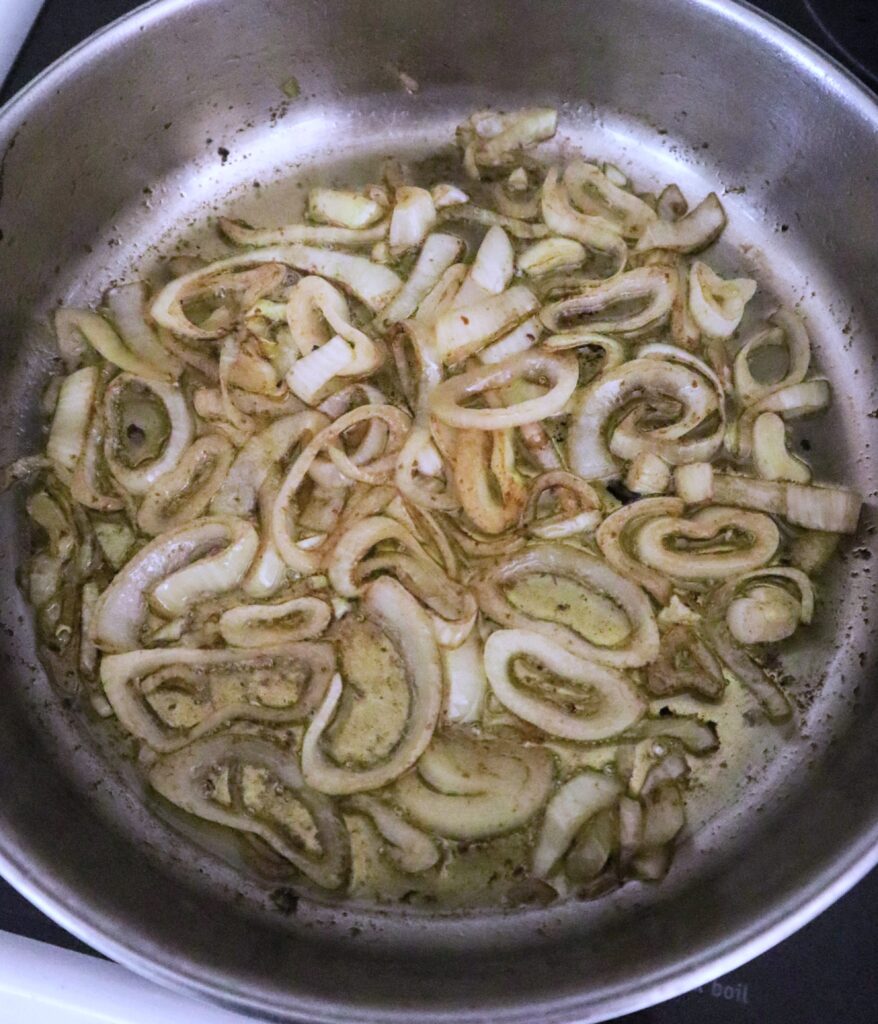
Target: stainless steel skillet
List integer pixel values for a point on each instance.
(179, 109)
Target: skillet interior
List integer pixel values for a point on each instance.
(184, 99)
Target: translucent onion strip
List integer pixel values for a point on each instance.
(652, 288)
(588, 701)
(399, 616)
(280, 622)
(575, 803)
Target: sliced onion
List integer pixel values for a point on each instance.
(466, 685)
(412, 219)
(438, 253)
(686, 381)
(479, 215)
(717, 305)
(561, 372)
(789, 402)
(399, 616)
(638, 648)
(691, 233)
(186, 778)
(128, 306)
(593, 701)
(345, 208)
(694, 482)
(615, 536)
(594, 193)
(562, 218)
(816, 507)
(493, 140)
(685, 664)
(647, 474)
(185, 491)
(139, 478)
(307, 234)
(771, 457)
(283, 684)
(575, 803)
(72, 324)
(767, 612)
(653, 543)
(583, 518)
(786, 329)
(447, 195)
(469, 788)
(654, 286)
(73, 412)
(412, 850)
(281, 622)
(491, 492)
(357, 541)
(551, 255)
(240, 489)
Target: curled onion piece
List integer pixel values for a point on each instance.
(479, 215)
(816, 507)
(667, 374)
(492, 139)
(491, 270)
(790, 402)
(466, 684)
(691, 233)
(575, 803)
(551, 255)
(412, 219)
(562, 218)
(470, 788)
(438, 253)
(653, 287)
(491, 492)
(281, 622)
(639, 647)
(766, 612)
(73, 412)
(308, 234)
(130, 409)
(168, 698)
(784, 329)
(561, 372)
(712, 554)
(121, 611)
(346, 208)
(357, 541)
(615, 537)
(371, 283)
(464, 331)
(253, 773)
(768, 693)
(717, 305)
(410, 849)
(73, 324)
(399, 616)
(128, 306)
(583, 518)
(184, 492)
(771, 457)
(595, 193)
(580, 701)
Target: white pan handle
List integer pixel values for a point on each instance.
(16, 18)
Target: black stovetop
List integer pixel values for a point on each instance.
(825, 973)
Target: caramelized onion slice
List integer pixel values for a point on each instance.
(471, 788)
(581, 701)
(196, 777)
(168, 698)
(400, 617)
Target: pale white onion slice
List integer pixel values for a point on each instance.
(691, 233)
(814, 506)
(784, 329)
(466, 685)
(399, 616)
(551, 255)
(561, 372)
(73, 412)
(577, 801)
(464, 331)
(593, 702)
(412, 219)
(562, 218)
(771, 457)
(438, 253)
(585, 517)
(128, 306)
(591, 308)
(469, 788)
(716, 304)
(594, 192)
(791, 402)
(653, 543)
(306, 234)
(73, 324)
(493, 139)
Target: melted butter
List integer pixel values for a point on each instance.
(594, 616)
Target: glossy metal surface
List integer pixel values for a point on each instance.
(177, 110)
